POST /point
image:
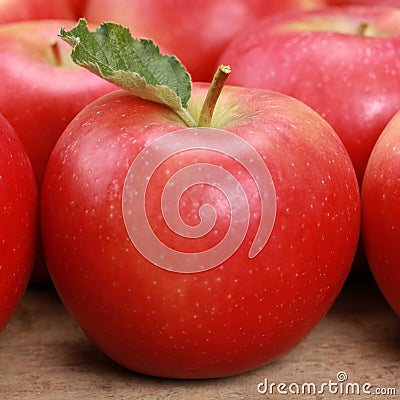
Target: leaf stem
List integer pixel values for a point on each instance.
(213, 94)
(186, 117)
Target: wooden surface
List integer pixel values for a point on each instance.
(44, 355)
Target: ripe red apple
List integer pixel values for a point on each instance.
(41, 89)
(188, 241)
(195, 32)
(391, 3)
(78, 7)
(18, 221)
(22, 10)
(157, 311)
(344, 62)
(381, 212)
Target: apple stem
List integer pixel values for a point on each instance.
(213, 93)
(362, 28)
(55, 51)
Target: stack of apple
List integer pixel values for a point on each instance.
(39, 78)
(194, 232)
(42, 90)
(344, 62)
(196, 33)
(272, 180)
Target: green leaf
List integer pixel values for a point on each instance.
(134, 65)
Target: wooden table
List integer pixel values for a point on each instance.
(44, 355)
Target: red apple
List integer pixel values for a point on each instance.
(160, 314)
(190, 242)
(343, 62)
(78, 7)
(18, 221)
(381, 212)
(194, 31)
(22, 10)
(392, 3)
(41, 88)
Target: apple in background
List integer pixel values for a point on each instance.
(393, 3)
(381, 212)
(78, 7)
(18, 220)
(21, 10)
(42, 89)
(196, 32)
(344, 62)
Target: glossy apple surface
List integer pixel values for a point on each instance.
(78, 7)
(18, 221)
(39, 95)
(390, 3)
(381, 212)
(161, 312)
(195, 33)
(24, 10)
(344, 62)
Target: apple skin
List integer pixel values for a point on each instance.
(18, 221)
(24, 10)
(38, 97)
(195, 33)
(350, 79)
(390, 3)
(228, 319)
(381, 212)
(78, 8)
